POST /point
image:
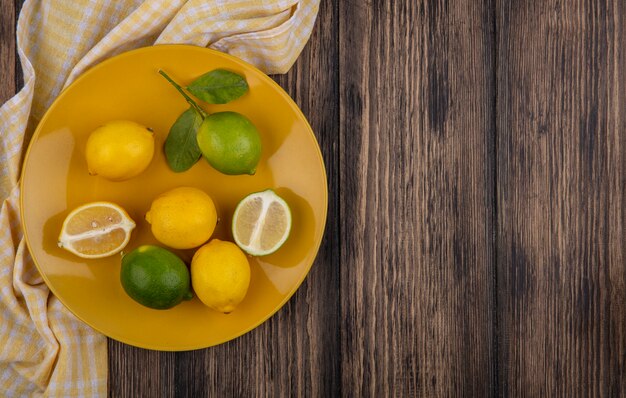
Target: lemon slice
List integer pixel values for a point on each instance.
(96, 230)
(261, 223)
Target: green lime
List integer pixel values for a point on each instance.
(155, 277)
(230, 143)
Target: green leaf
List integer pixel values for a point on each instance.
(181, 146)
(219, 86)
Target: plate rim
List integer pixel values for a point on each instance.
(244, 65)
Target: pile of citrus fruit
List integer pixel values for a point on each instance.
(181, 218)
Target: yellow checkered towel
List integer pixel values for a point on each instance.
(44, 349)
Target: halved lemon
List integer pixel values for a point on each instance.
(261, 223)
(96, 230)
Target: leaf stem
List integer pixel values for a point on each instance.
(184, 94)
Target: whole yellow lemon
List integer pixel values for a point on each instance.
(182, 218)
(220, 275)
(119, 150)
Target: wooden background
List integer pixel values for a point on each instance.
(476, 242)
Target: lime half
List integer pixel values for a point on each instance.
(261, 223)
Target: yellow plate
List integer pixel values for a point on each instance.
(55, 181)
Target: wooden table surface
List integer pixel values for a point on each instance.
(476, 236)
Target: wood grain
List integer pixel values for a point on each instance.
(416, 124)
(561, 198)
(134, 372)
(8, 74)
(295, 353)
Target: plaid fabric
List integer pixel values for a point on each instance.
(44, 350)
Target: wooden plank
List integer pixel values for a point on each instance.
(7, 50)
(296, 352)
(134, 372)
(417, 128)
(561, 198)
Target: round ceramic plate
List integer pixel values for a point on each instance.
(55, 181)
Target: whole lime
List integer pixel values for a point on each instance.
(155, 277)
(230, 143)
